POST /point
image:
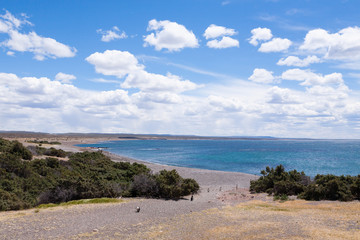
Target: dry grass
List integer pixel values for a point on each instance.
(265, 220)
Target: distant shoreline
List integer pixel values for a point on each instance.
(206, 178)
(130, 136)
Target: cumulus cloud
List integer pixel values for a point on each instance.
(214, 31)
(335, 93)
(41, 47)
(64, 78)
(169, 35)
(309, 78)
(39, 104)
(124, 64)
(115, 63)
(275, 45)
(343, 45)
(112, 34)
(279, 95)
(34, 92)
(225, 42)
(46, 105)
(297, 62)
(261, 75)
(222, 33)
(260, 34)
(225, 104)
(107, 98)
(162, 97)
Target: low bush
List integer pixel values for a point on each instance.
(277, 181)
(85, 175)
(323, 187)
(165, 184)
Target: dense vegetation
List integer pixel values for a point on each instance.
(323, 187)
(26, 183)
(44, 142)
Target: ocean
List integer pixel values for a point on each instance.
(338, 157)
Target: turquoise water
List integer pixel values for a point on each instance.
(339, 157)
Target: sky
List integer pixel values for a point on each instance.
(276, 68)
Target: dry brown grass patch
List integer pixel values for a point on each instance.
(265, 220)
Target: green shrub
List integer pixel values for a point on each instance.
(331, 187)
(55, 152)
(277, 181)
(282, 197)
(324, 187)
(172, 185)
(85, 175)
(9, 201)
(355, 187)
(144, 185)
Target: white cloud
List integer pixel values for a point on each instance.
(260, 34)
(281, 96)
(354, 65)
(39, 104)
(275, 45)
(34, 92)
(64, 78)
(241, 108)
(297, 62)
(337, 93)
(225, 42)
(42, 47)
(124, 64)
(343, 45)
(107, 98)
(225, 104)
(214, 31)
(112, 34)
(309, 78)
(102, 80)
(169, 35)
(157, 82)
(162, 97)
(261, 75)
(115, 63)
(9, 22)
(10, 53)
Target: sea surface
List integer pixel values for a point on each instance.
(338, 157)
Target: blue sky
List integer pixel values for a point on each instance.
(217, 68)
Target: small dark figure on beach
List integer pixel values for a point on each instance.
(208, 189)
(192, 198)
(137, 209)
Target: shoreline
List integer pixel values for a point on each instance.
(206, 178)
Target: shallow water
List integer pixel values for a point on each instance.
(339, 157)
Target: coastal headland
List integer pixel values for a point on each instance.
(224, 208)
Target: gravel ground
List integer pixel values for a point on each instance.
(120, 220)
